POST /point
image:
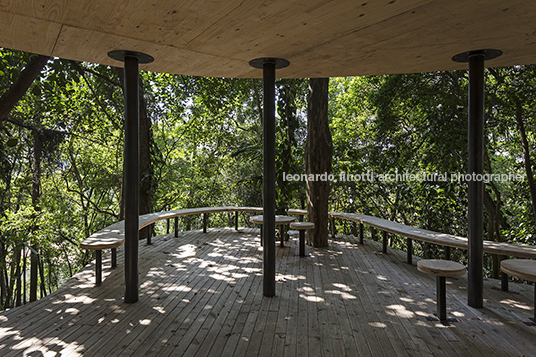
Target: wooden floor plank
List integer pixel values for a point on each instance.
(202, 295)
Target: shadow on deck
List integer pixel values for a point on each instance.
(201, 294)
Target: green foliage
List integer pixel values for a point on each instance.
(206, 150)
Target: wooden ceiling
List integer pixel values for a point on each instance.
(320, 38)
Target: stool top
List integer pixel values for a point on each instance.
(440, 267)
(521, 268)
(279, 219)
(302, 225)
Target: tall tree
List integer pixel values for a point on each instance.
(318, 155)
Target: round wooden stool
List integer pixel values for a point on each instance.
(441, 269)
(523, 269)
(302, 227)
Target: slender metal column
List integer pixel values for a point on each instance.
(269, 65)
(176, 227)
(475, 278)
(384, 243)
(205, 220)
(131, 177)
(236, 221)
(131, 167)
(361, 233)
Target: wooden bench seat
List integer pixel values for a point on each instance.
(423, 235)
(522, 269)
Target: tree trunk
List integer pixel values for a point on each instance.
(33, 276)
(318, 154)
(18, 297)
(36, 193)
(526, 155)
(146, 169)
(11, 97)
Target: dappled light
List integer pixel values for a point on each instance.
(201, 294)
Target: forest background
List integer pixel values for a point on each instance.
(201, 145)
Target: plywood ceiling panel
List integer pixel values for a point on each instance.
(320, 38)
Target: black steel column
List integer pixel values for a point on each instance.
(384, 247)
(269, 65)
(475, 194)
(131, 167)
(361, 233)
(176, 227)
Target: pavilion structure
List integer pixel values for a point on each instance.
(319, 38)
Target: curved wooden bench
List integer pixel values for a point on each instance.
(523, 269)
(113, 236)
(447, 240)
(441, 269)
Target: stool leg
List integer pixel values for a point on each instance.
(114, 257)
(98, 267)
(441, 298)
(302, 243)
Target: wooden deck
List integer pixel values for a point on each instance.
(201, 294)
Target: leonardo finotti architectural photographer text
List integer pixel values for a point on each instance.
(404, 177)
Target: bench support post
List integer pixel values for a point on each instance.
(409, 243)
(333, 227)
(114, 257)
(504, 277)
(384, 242)
(205, 219)
(441, 292)
(504, 281)
(361, 235)
(534, 307)
(176, 223)
(98, 267)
